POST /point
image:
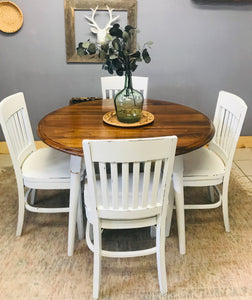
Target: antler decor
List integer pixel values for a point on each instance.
(101, 32)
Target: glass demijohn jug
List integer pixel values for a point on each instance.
(128, 102)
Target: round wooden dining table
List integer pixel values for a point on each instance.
(65, 128)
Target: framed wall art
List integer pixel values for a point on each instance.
(89, 19)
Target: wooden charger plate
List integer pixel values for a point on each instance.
(11, 17)
(111, 119)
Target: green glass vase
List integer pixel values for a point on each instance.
(128, 102)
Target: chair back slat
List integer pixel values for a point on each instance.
(125, 185)
(122, 184)
(16, 128)
(104, 185)
(164, 183)
(111, 85)
(23, 136)
(146, 184)
(114, 186)
(18, 131)
(228, 120)
(136, 180)
(223, 136)
(218, 125)
(13, 135)
(156, 181)
(110, 94)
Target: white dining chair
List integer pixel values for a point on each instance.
(211, 166)
(44, 168)
(120, 196)
(111, 85)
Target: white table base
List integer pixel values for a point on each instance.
(75, 211)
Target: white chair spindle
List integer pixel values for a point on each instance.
(135, 190)
(113, 84)
(18, 131)
(114, 185)
(13, 135)
(23, 128)
(111, 94)
(104, 186)
(146, 183)
(156, 182)
(125, 185)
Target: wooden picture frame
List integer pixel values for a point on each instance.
(70, 6)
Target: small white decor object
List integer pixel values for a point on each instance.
(101, 32)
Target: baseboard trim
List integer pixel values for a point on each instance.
(243, 142)
(4, 148)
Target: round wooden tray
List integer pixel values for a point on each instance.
(11, 17)
(111, 119)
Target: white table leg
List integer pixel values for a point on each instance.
(80, 219)
(75, 168)
(179, 201)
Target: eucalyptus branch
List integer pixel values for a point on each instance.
(117, 51)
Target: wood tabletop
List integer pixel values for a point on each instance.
(65, 128)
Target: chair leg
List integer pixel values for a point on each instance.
(97, 259)
(168, 217)
(33, 196)
(153, 231)
(160, 244)
(211, 193)
(225, 205)
(169, 211)
(80, 222)
(178, 185)
(21, 209)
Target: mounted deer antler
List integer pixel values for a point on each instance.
(101, 32)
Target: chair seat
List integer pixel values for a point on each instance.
(47, 166)
(202, 164)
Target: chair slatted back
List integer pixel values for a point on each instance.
(16, 128)
(133, 177)
(228, 121)
(111, 85)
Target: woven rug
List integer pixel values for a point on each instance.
(217, 265)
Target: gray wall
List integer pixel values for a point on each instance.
(198, 50)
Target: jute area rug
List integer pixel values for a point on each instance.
(217, 265)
